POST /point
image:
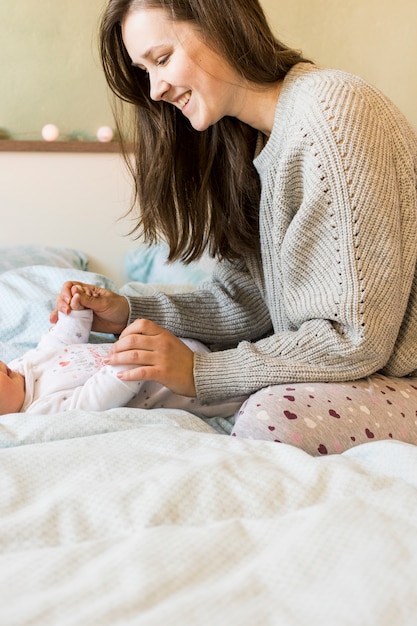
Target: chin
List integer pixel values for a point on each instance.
(200, 124)
(199, 127)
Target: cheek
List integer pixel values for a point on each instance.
(189, 73)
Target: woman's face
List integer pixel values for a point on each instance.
(182, 69)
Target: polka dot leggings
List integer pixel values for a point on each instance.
(328, 418)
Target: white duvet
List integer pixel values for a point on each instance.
(134, 517)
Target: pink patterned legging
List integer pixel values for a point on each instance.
(328, 418)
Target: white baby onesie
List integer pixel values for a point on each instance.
(66, 372)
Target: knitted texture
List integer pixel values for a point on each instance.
(333, 297)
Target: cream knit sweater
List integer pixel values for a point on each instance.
(333, 297)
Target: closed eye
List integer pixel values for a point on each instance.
(163, 60)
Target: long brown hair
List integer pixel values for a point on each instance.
(197, 190)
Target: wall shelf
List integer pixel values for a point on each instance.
(17, 145)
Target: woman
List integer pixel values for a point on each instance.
(302, 182)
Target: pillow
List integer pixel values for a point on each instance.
(27, 297)
(12, 257)
(148, 264)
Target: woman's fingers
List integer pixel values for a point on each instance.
(158, 354)
(143, 327)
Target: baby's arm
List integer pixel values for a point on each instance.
(72, 328)
(69, 329)
(104, 391)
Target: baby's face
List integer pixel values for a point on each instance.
(12, 390)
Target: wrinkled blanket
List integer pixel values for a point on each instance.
(134, 517)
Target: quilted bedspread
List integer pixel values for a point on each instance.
(134, 517)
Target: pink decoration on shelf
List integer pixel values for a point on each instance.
(50, 132)
(105, 134)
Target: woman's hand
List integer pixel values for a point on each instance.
(158, 356)
(111, 310)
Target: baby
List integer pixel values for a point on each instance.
(66, 372)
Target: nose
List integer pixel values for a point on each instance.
(158, 86)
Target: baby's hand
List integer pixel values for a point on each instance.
(76, 292)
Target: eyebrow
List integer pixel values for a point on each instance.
(148, 52)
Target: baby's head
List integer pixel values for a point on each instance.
(12, 390)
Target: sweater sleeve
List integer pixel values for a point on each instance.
(223, 311)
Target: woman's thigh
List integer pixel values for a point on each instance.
(328, 418)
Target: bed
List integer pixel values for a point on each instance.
(150, 518)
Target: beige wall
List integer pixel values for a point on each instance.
(376, 39)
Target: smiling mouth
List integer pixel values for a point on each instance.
(181, 102)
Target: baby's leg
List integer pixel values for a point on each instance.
(152, 395)
(328, 418)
